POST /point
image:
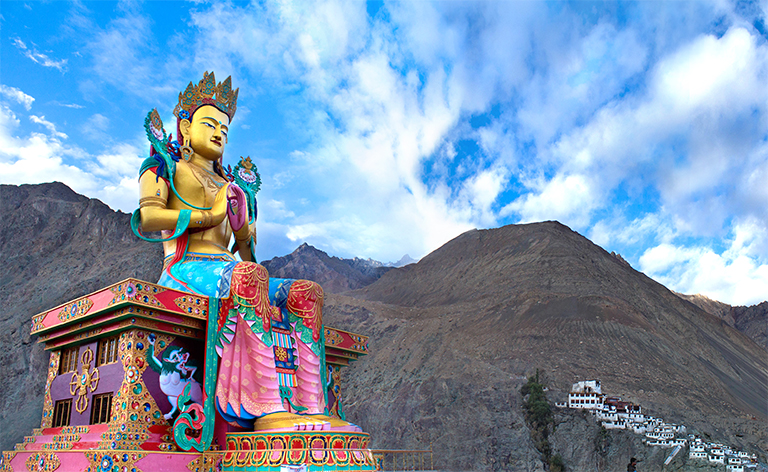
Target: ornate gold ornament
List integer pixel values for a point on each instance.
(88, 380)
(43, 462)
(75, 309)
(186, 150)
(53, 370)
(207, 92)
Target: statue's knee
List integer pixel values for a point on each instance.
(306, 290)
(313, 287)
(252, 269)
(251, 266)
(306, 297)
(250, 280)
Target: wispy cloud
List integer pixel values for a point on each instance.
(17, 95)
(39, 57)
(40, 120)
(67, 105)
(95, 128)
(123, 54)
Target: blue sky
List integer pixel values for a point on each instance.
(382, 128)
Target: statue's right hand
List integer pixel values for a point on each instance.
(219, 209)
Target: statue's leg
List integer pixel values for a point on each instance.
(248, 388)
(305, 300)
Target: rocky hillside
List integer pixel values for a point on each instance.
(55, 245)
(334, 274)
(750, 320)
(453, 335)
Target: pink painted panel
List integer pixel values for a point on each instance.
(158, 462)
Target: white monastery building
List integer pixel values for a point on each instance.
(613, 413)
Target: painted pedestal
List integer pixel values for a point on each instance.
(106, 407)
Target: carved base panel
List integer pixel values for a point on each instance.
(101, 460)
(306, 451)
(299, 451)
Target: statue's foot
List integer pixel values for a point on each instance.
(338, 424)
(284, 421)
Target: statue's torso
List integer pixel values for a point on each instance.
(199, 187)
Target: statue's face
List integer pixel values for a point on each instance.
(207, 132)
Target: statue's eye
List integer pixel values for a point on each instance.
(224, 133)
(209, 125)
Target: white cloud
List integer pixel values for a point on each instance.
(37, 158)
(17, 95)
(691, 138)
(386, 96)
(374, 125)
(481, 192)
(703, 75)
(566, 198)
(38, 57)
(277, 207)
(733, 276)
(617, 231)
(122, 159)
(582, 74)
(121, 195)
(46, 157)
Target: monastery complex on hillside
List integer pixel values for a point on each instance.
(613, 413)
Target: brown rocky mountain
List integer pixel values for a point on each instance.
(750, 320)
(333, 273)
(452, 338)
(453, 335)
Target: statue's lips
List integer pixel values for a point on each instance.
(218, 143)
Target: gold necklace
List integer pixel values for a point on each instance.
(208, 179)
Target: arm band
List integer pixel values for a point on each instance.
(181, 226)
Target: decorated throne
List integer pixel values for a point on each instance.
(114, 354)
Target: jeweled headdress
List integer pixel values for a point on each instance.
(207, 92)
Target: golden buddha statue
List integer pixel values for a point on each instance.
(271, 373)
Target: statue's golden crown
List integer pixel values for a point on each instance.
(207, 92)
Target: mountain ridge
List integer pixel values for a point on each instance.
(751, 320)
(334, 274)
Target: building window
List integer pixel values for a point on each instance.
(107, 351)
(68, 362)
(101, 409)
(61, 413)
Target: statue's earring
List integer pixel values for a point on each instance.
(186, 150)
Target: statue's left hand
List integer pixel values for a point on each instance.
(237, 208)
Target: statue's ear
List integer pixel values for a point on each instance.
(184, 126)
